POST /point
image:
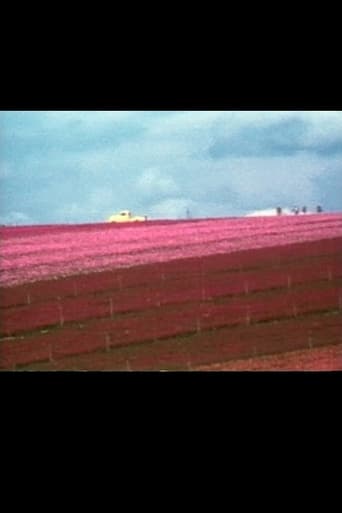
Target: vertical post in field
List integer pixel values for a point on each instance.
(155, 337)
(198, 324)
(294, 310)
(246, 287)
(248, 316)
(61, 314)
(203, 292)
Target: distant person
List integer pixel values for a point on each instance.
(279, 211)
(304, 209)
(319, 209)
(295, 210)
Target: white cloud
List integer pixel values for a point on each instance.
(278, 180)
(16, 217)
(153, 182)
(99, 196)
(74, 213)
(93, 161)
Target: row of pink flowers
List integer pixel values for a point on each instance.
(217, 274)
(40, 256)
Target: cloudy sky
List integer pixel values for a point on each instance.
(83, 166)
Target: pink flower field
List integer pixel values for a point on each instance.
(248, 293)
(34, 253)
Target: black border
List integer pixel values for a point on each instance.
(202, 391)
(133, 83)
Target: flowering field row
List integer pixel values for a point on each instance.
(23, 234)
(190, 352)
(131, 242)
(12, 232)
(158, 324)
(188, 279)
(40, 255)
(186, 293)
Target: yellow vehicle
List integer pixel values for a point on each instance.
(125, 216)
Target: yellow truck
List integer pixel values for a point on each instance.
(125, 216)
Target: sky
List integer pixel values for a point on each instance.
(83, 166)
